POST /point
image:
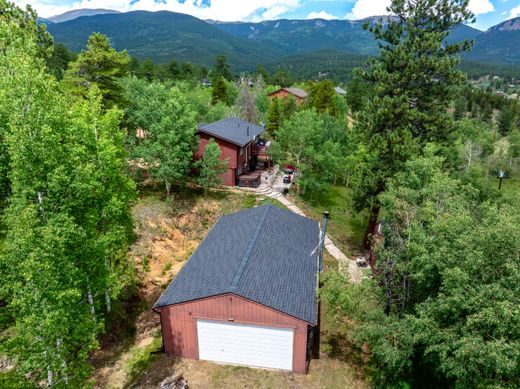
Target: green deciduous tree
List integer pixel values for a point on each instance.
(211, 167)
(442, 309)
(169, 122)
(101, 66)
(413, 78)
(68, 221)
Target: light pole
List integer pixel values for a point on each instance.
(501, 175)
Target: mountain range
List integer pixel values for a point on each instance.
(164, 35)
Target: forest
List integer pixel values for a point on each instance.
(413, 146)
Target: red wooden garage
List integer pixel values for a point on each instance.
(247, 296)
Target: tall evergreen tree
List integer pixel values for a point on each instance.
(219, 92)
(506, 119)
(323, 97)
(222, 68)
(413, 79)
(98, 65)
(460, 108)
(274, 118)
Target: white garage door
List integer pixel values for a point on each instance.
(244, 344)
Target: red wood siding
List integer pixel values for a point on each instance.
(227, 150)
(179, 324)
(237, 162)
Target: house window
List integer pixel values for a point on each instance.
(241, 151)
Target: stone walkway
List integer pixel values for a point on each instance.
(334, 251)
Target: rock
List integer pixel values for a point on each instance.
(175, 381)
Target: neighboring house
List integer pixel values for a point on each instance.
(340, 91)
(237, 140)
(247, 295)
(299, 94)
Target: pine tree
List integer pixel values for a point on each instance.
(222, 68)
(98, 65)
(274, 119)
(147, 70)
(460, 108)
(413, 78)
(506, 119)
(219, 92)
(323, 97)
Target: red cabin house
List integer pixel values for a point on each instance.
(238, 142)
(298, 94)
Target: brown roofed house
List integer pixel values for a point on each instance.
(299, 94)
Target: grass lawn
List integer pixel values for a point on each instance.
(345, 228)
(168, 229)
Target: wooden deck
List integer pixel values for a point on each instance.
(250, 180)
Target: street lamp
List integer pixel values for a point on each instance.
(501, 175)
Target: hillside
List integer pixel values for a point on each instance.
(332, 64)
(77, 13)
(300, 36)
(500, 44)
(163, 36)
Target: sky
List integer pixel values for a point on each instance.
(488, 12)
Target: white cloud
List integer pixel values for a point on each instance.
(225, 10)
(365, 8)
(321, 15)
(515, 12)
(479, 7)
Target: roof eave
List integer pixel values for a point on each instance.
(157, 309)
(227, 140)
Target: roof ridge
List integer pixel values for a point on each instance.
(218, 121)
(247, 255)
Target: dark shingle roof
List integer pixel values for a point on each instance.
(233, 130)
(262, 254)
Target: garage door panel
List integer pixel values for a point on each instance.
(244, 344)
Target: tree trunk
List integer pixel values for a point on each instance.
(168, 187)
(107, 301)
(50, 375)
(91, 303)
(372, 222)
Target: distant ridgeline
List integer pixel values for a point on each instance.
(306, 48)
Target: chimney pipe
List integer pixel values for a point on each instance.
(322, 240)
(247, 130)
